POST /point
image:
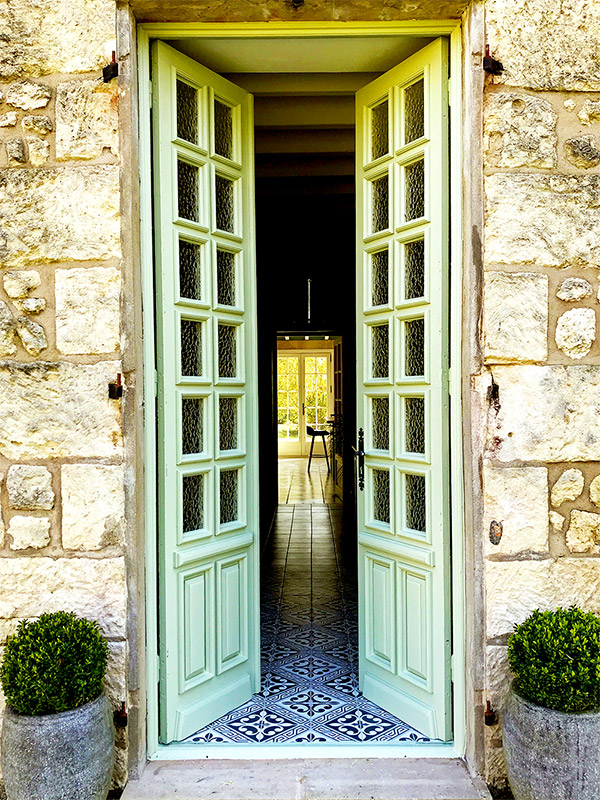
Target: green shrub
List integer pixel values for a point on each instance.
(56, 663)
(555, 656)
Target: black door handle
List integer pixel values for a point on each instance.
(359, 454)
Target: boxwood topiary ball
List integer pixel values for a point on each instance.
(555, 656)
(55, 663)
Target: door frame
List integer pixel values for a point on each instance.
(146, 32)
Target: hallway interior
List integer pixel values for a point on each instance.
(309, 629)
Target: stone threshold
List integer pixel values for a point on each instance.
(308, 779)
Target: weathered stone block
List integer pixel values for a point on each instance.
(31, 305)
(520, 131)
(548, 413)
(515, 317)
(583, 533)
(115, 682)
(576, 332)
(87, 119)
(29, 487)
(557, 521)
(517, 499)
(7, 332)
(595, 491)
(29, 532)
(16, 151)
(574, 289)
(92, 587)
(93, 506)
(87, 310)
(568, 486)
(548, 44)
(37, 124)
(582, 151)
(32, 335)
(21, 282)
(550, 220)
(8, 120)
(57, 410)
(498, 675)
(59, 215)
(28, 95)
(39, 150)
(590, 112)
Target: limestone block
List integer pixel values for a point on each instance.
(87, 310)
(549, 220)
(515, 317)
(15, 150)
(29, 532)
(29, 487)
(595, 491)
(92, 587)
(590, 112)
(7, 332)
(32, 335)
(557, 521)
(20, 283)
(87, 119)
(520, 131)
(58, 410)
(2, 532)
(115, 682)
(515, 588)
(59, 215)
(498, 675)
(93, 506)
(37, 123)
(547, 413)
(574, 289)
(516, 497)
(583, 533)
(8, 120)
(31, 305)
(45, 37)
(576, 332)
(548, 44)
(582, 152)
(568, 486)
(28, 95)
(39, 150)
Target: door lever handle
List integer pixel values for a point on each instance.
(359, 454)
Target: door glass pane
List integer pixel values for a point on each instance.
(193, 502)
(381, 495)
(187, 112)
(414, 347)
(228, 423)
(227, 351)
(415, 502)
(414, 111)
(380, 351)
(225, 278)
(287, 397)
(228, 496)
(192, 425)
(190, 270)
(191, 347)
(224, 204)
(316, 388)
(381, 423)
(380, 278)
(187, 191)
(414, 425)
(414, 190)
(414, 269)
(380, 214)
(379, 130)
(223, 130)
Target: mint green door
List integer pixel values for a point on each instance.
(207, 397)
(403, 515)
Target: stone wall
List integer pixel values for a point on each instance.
(541, 380)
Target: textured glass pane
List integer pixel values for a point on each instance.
(192, 425)
(225, 278)
(187, 112)
(381, 351)
(415, 502)
(187, 191)
(191, 347)
(380, 204)
(224, 204)
(223, 130)
(227, 351)
(379, 130)
(414, 347)
(190, 271)
(228, 496)
(381, 495)
(193, 502)
(414, 269)
(228, 423)
(380, 278)
(414, 111)
(414, 425)
(381, 423)
(414, 190)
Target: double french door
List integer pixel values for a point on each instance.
(207, 394)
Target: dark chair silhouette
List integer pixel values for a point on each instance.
(314, 433)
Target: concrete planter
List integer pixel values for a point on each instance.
(551, 755)
(58, 756)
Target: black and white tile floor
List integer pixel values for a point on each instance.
(309, 633)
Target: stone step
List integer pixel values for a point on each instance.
(308, 779)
